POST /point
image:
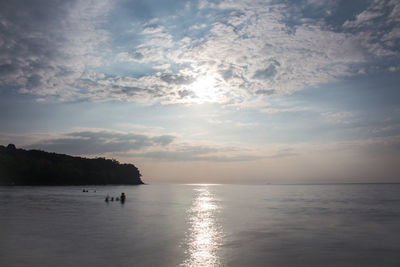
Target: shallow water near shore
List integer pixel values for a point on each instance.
(201, 225)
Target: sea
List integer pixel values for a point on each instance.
(201, 225)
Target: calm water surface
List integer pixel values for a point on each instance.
(201, 225)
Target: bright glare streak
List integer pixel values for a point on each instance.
(203, 238)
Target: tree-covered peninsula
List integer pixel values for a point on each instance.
(35, 167)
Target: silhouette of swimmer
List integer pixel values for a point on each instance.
(121, 198)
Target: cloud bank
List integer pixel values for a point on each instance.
(145, 146)
(100, 142)
(228, 52)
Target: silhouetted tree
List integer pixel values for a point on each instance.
(11, 147)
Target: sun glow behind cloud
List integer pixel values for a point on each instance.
(204, 89)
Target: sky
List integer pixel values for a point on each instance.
(208, 91)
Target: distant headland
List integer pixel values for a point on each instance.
(36, 167)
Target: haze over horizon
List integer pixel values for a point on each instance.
(217, 91)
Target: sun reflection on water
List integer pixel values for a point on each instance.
(204, 234)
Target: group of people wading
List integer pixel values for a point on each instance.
(120, 198)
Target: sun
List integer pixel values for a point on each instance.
(204, 89)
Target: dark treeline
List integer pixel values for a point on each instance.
(35, 167)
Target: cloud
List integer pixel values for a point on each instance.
(185, 93)
(365, 18)
(284, 153)
(255, 51)
(234, 123)
(228, 52)
(265, 74)
(100, 142)
(342, 117)
(377, 28)
(176, 79)
(46, 46)
(265, 92)
(132, 145)
(186, 152)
